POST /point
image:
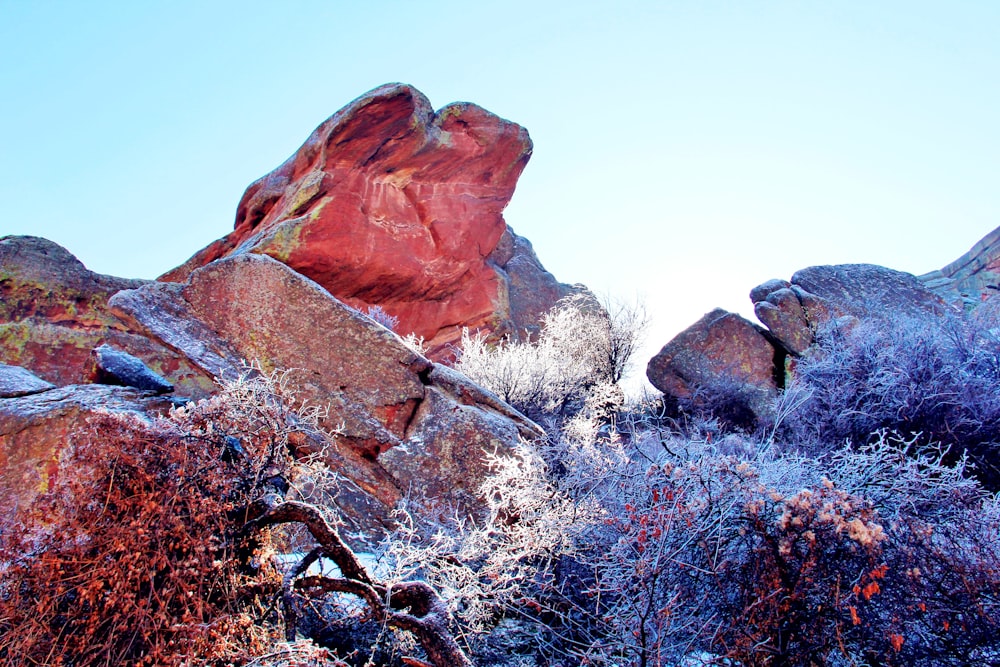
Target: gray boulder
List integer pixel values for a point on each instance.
(16, 381)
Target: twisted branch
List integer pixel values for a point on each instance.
(412, 606)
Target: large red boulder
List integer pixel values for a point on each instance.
(722, 356)
(390, 203)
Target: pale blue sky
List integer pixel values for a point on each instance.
(684, 151)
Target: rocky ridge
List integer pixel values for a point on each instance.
(972, 277)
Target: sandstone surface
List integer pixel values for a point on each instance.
(16, 381)
(973, 277)
(390, 203)
(41, 430)
(782, 313)
(722, 353)
(401, 424)
(54, 313)
(869, 290)
(722, 350)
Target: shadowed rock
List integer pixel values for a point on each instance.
(782, 313)
(717, 354)
(868, 290)
(121, 368)
(723, 355)
(795, 312)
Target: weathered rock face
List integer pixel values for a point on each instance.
(867, 290)
(40, 430)
(388, 203)
(972, 277)
(402, 423)
(531, 291)
(16, 381)
(782, 312)
(391, 203)
(723, 350)
(716, 354)
(53, 314)
(115, 367)
(796, 311)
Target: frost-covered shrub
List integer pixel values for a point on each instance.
(378, 314)
(132, 557)
(155, 545)
(870, 557)
(654, 547)
(581, 354)
(933, 381)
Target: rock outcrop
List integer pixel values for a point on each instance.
(16, 381)
(723, 356)
(401, 424)
(115, 367)
(390, 203)
(868, 290)
(41, 429)
(54, 314)
(818, 296)
(723, 353)
(973, 277)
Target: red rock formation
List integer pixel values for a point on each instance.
(53, 314)
(971, 278)
(391, 203)
(402, 424)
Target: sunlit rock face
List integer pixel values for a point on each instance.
(973, 277)
(391, 203)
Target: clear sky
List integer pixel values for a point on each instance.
(684, 151)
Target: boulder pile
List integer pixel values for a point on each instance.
(723, 354)
(388, 203)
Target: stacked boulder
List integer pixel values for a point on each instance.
(388, 203)
(723, 353)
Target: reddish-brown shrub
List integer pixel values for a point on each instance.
(154, 547)
(133, 558)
